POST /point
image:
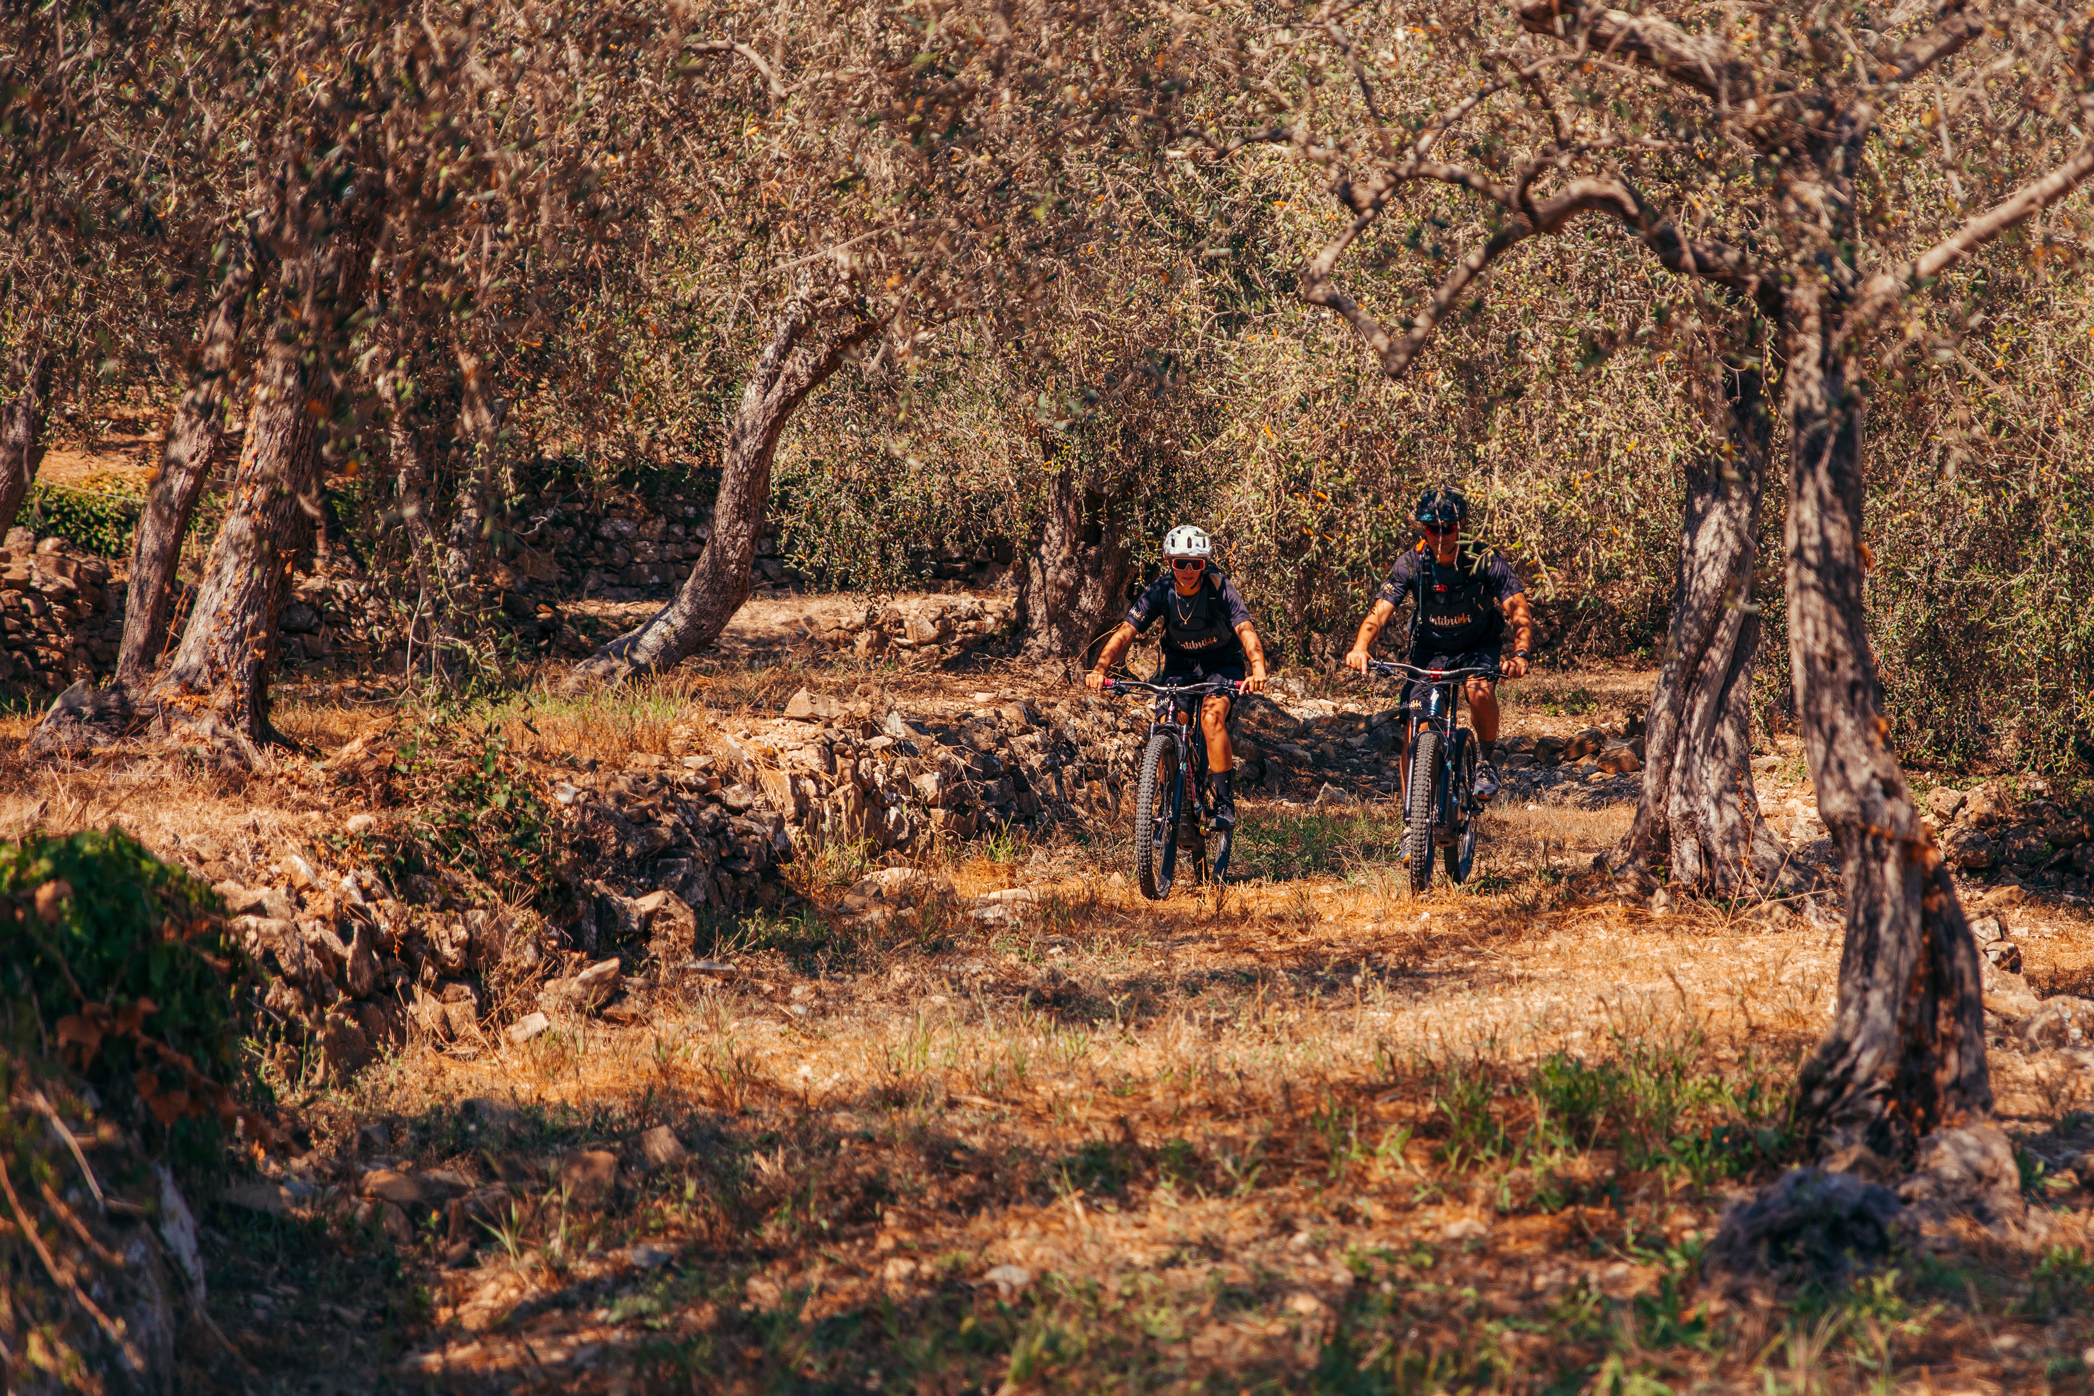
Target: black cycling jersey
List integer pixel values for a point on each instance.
(1200, 628)
(1457, 607)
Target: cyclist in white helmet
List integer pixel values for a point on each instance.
(1207, 634)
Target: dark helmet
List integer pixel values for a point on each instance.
(1442, 506)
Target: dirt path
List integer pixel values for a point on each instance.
(764, 623)
(1034, 1132)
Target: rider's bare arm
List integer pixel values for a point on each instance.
(1370, 629)
(1116, 646)
(1254, 654)
(1522, 617)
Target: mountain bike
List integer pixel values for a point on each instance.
(1171, 800)
(1439, 803)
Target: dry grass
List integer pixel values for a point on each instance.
(1304, 1132)
(1553, 837)
(1302, 1138)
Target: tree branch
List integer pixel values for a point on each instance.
(1703, 62)
(1700, 257)
(1395, 354)
(1884, 289)
(1941, 40)
(756, 61)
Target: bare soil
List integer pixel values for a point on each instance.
(1301, 1131)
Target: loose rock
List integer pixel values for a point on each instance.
(527, 1027)
(660, 1148)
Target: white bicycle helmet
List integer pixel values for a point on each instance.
(1187, 541)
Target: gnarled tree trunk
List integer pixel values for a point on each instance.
(457, 602)
(219, 674)
(480, 416)
(22, 431)
(1699, 813)
(793, 364)
(1074, 584)
(1905, 1058)
(194, 435)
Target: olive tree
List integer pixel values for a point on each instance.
(403, 170)
(882, 173)
(1766, 158)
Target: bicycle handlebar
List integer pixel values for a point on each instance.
(1173, 690)
(1392, 670)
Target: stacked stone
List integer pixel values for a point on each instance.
(60, 619)
(354, 964)
(641, 548)
(927, 627)
(835, 772)
(635, 553)
(685, 832)
(61, 610)
(2037, 838)
(327, 621)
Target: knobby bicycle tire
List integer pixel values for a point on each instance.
(1425, 774)
(1461, 853)
(1161, 751)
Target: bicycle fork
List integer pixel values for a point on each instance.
(1454, 801)
(1165, 834)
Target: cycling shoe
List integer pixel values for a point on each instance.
(1486, 780)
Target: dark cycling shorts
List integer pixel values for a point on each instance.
(1467, 659)
(1194, 673)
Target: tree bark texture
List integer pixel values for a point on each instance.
(1905, 1057)
(194, 436)
(1699, 813)
(479, 424)
(22, 431)
(795, 362)
(464, 551)
(221, 668)
(1074, 584)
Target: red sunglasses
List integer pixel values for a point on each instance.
(1186, 564)
(1439, 528)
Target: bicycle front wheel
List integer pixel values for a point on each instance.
(1461, 854)
(1152, 816)
(1418, 817)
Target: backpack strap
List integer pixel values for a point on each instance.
(1418, 603)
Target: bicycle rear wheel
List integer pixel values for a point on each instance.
(1461, 854)
(1425, 777)
(1152, 816)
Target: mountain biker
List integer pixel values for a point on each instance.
(1461, 596)
(1207, 634)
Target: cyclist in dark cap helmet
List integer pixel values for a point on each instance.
(1462, 596)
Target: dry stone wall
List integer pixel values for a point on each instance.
(634, 547)
(2032, 836)
(357, 960)
(62, 608)
(60, 617)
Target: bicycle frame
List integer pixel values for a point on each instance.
(1192, 764)
(1438, 709)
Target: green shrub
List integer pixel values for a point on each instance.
(100, 521)
(125, 971)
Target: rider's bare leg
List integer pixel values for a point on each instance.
(1221, 760)
(1483, 715)
(1214, 724)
